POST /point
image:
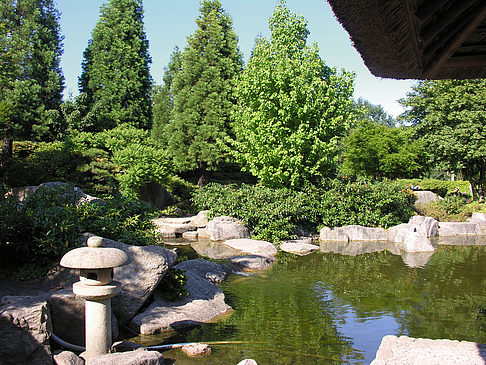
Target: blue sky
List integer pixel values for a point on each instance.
(169, 22)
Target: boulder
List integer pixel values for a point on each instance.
(298, 248)
(67, 358)
(196, 349)
(411, 241)
(392, 232)
(225, 228)
(157, 195)
(247, 362)
(148, 265)
(252, 247)
(458, 228)
(251, 262)
(427, 226)
(352, 248)
(190, 235)
(425, 197)
(173, 226)
(25, 326)
(209, 270)
(478, 218)
(213, 250)
(352, 233)
(201, 219)
(204, 303)
(137, 357)
(416, 259)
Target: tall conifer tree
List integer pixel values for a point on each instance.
(115, 71)
(31, 80)
(203, 92)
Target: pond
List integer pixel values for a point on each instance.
(331, 308)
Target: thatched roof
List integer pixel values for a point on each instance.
(417, 39)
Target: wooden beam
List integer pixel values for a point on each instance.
(474, 48)
(466, 61)
(478, 16)
(428, 9)
(445, 20)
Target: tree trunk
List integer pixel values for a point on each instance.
(204, 175)
(7, 147)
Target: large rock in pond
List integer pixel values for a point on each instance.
(209, 270)
(148, 265)
(410, 241)
(204, 303)
(213, 250)
(352, 233)
(458, 229)
(25, 326)
(224, 228)
(352, 248)
(427, 226)
(173, 226)
(252, 247)
(137, 357)
(298, 247)
(251, 262)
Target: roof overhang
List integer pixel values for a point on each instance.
(417, 39)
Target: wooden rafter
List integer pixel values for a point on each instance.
(428, 9)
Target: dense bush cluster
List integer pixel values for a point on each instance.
(48, 223)
(276, 214)
(440, 187)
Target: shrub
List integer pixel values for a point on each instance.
(276, 214)
(440, 187)
(173, 285)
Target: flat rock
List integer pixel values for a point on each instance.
(417, 351)
(190, 235)
(25, 326)
(458, 228)
(298, 248)
(209, 270)
(148, 265)
(67, 358)
(353, 233)
(352, 248)
(425, 197)
(225, 228)
(251, 262)
(410, 241)
(201, 219)
(204, 303)
(213, 250)
(137, 357)
(252, 247)
(196, 349)
(174, 225)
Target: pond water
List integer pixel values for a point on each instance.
(330, 308)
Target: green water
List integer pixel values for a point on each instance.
(328, 308)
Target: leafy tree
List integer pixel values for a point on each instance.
(163, 99)
(376, 151)
(449, 116)
(292, 108)
(203, 93)
(374, 113)
(115, 71)
(31, 81)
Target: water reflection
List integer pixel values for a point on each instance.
(329, 308)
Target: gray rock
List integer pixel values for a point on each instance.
(225, 228)
(211, 271)
(411, 241)
(458, 228)
(247, 362)
(148, 265)
(25, 326)
(352, 233)
(392, 232)
(213, 250)
(252, 247)
(157, 195)
(298, 248)
(251, 262)
(196, 349)
(478, 218)
(425, 197)
(137, 357)
(407, 350)
(67, 358)
(352, 248)
(204, 303)
(427, 226)
(190, 235)
(416, 259)
(201, 219)
(176, 226)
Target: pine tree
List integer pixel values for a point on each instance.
(115, 70)
(203, 93)
(163, 100)
(31, 79)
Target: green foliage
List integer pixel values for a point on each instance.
(203, 91)
(275, 214)
(440, 187)
(173, 285)
(31, 80)
(449, 116)
(373, 113)
(376, 151)
(115, 75)
(292, 109)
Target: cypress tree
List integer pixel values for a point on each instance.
(203, 93)
(31, 79)
(115, 70)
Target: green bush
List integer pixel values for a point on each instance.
(276, 214)
(440, 187)
(173, 285)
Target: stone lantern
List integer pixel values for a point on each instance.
(96, 285)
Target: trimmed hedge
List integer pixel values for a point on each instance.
(439, 187)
